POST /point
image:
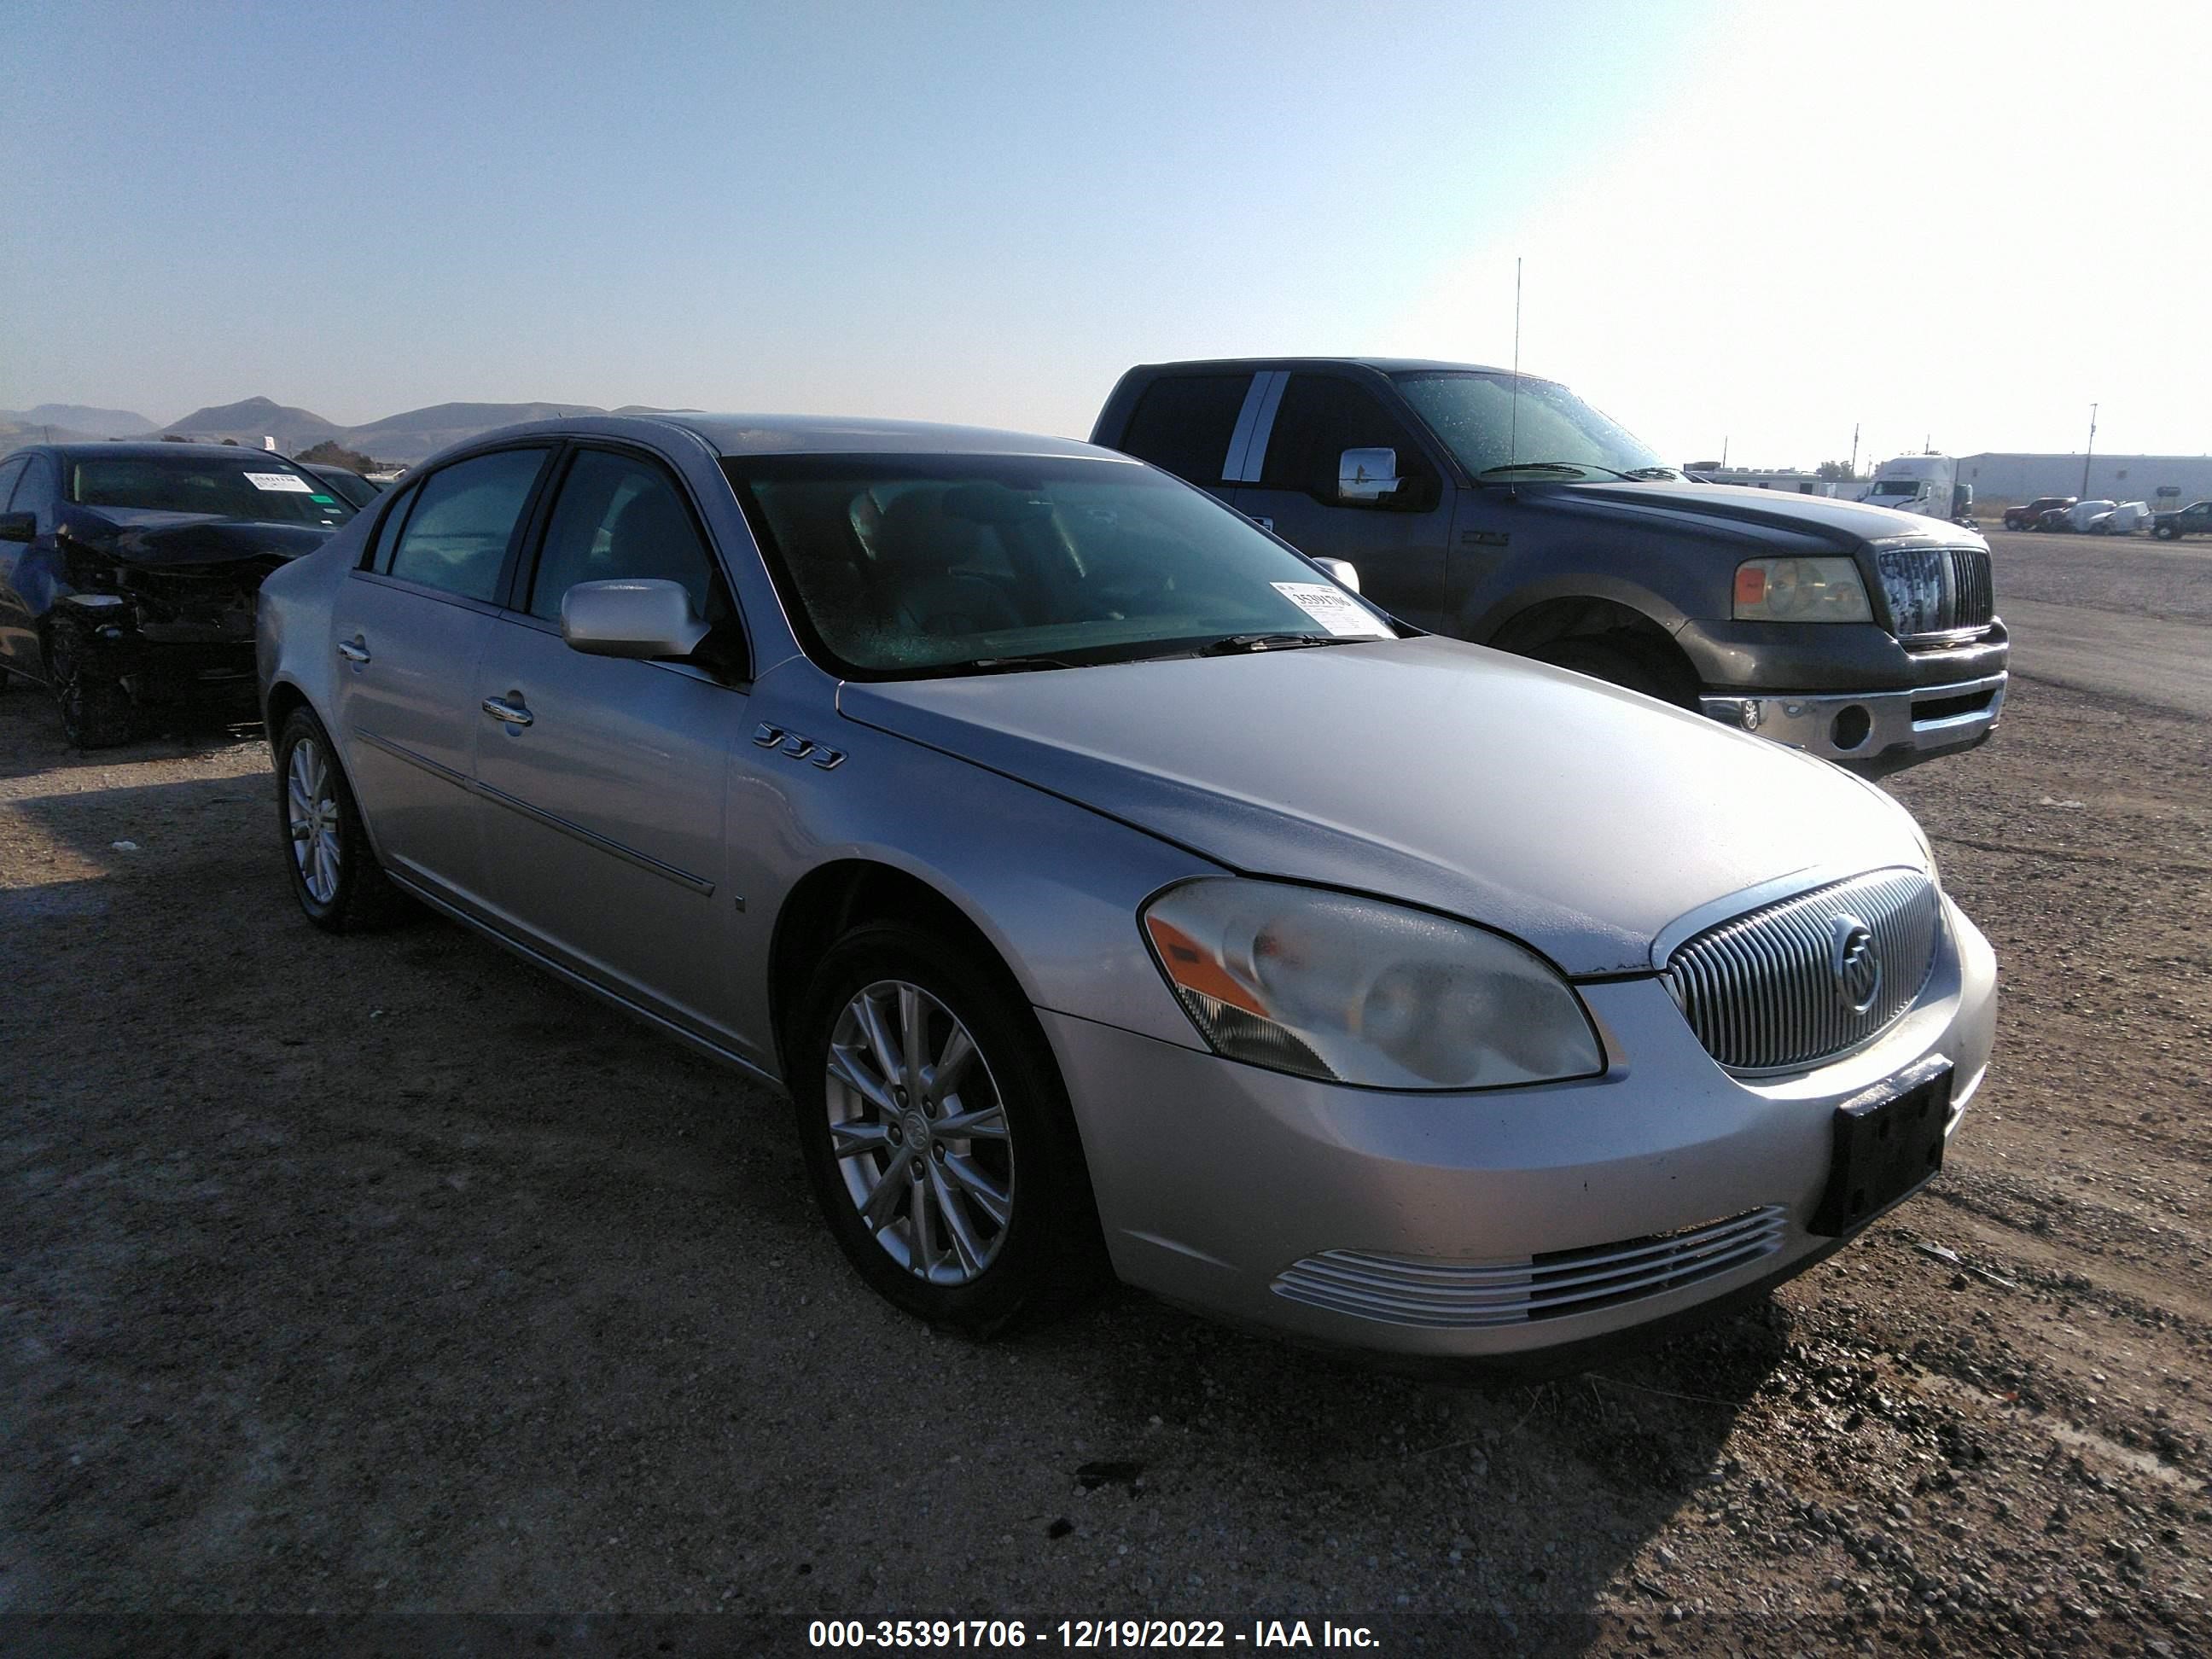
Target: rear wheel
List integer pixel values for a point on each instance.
(2166, 532)
(1625, 659)
(937, 1133)
(97, 711)
(335, 874)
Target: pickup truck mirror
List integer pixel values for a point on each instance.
(1366, 475)
(19, 526)
(631, 619)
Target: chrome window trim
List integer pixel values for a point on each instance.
(1240, 437)
(1263, 427)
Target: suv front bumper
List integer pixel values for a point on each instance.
(1883, 730)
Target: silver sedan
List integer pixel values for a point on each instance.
(1115, 892)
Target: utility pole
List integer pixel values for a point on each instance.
(1854, 449)
(2089, 452)
(1723, 452)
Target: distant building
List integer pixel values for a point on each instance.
(2013, 477)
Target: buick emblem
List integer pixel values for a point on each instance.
(1856, 962)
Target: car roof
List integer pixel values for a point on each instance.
(731, 435)
(139, 450)
(1380, 364)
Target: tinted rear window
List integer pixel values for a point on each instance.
(1183, 423)
(253, 485)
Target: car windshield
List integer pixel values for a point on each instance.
(245, 486)
(1896, 487)
(897, 567)
(1474, 414)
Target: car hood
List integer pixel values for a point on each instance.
(1577, 816)
(1748, 514)
(143, 536)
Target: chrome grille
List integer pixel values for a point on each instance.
(1935, 590)
(1401, 1290)
(1763, 994)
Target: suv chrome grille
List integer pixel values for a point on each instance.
(1401, 1290)
(1780, 988)
(1937, 590)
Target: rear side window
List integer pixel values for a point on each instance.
(9, 471)
(456, 536)
(1183, 422)
(1322, 416)
(619, 517)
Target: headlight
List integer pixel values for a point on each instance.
(1800, 590)
(1355, 991)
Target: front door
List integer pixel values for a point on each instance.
(1398, 542)
(408, 629)
(605, 778)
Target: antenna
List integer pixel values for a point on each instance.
(1513, 428)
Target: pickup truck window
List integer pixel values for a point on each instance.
(1474, 415)
(1321, 417)
(1183, 421)
(898, 567)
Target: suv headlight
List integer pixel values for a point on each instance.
(1800, 590)
(1352, 990)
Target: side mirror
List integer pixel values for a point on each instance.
(1346, 573)
(1366, 475)
(19, 526)
(631, 619)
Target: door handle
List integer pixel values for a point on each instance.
(355, 649)
(508, 713)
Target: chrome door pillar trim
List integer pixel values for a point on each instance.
(1249, 439)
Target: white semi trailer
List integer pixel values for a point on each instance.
(1926, 484)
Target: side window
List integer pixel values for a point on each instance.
(34, 490)
(619, 517)
(10, 471)
(1183, 424)
(456, 537)
(378, 557)
(1321, 417)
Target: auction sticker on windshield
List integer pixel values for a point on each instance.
(1333, 609)
(285, 480)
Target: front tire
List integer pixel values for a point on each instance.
(97, 711)
(334, 872)
(1623, 660)
(938, 1135)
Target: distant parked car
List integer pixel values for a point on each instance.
(2025, 517)
(128, 573)
(2194, 520)
(352, 486)
(2125, 520)
(2077, 518)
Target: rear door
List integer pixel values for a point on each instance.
(408, 627)
(14, 636)
(1398, 542)
(603, 825)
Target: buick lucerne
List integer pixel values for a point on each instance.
(1113, 891)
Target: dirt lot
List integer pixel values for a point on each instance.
(385, 1275)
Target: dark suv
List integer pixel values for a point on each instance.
(1517, 516)
(128, 573)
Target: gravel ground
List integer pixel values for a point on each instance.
(387, 1275)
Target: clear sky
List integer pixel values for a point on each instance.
(1764, 222)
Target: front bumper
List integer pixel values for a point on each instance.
(1882, 729)
(1390, 1221)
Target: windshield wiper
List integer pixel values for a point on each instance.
(1229, 644)
(1011, 665)
(1576, 468)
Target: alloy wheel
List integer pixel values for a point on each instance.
(919, 1132)
(310, 807)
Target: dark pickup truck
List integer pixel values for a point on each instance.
(1519, 517)
(2194, 520)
